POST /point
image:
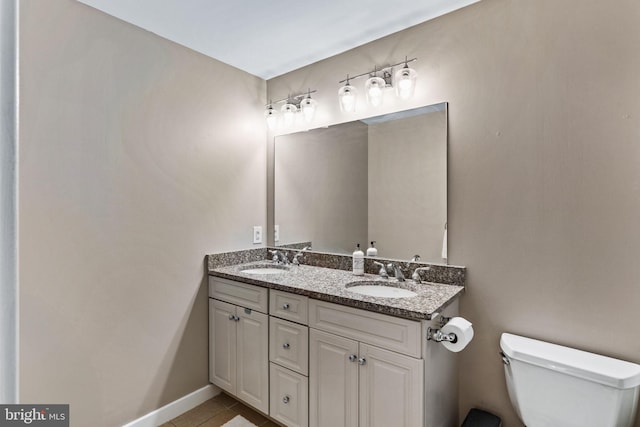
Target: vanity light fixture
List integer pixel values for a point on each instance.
(347, 97)
(271, 116)
(374, 87)
(292, 107)
(404, 81)
(308, 107)
(289, 111)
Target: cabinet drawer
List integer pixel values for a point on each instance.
(289, 345)
(289, 306)
(242, 294)
(289, 397)
(392, 333)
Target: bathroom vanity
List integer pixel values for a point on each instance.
(296, 344)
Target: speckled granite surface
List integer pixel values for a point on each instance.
(237, 257)
(328, 284)
(438, 273)
(299, 245)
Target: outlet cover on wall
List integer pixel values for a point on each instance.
(257, 234)
(276, 233)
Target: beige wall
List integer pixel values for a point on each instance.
(137, 158)
(544, 182)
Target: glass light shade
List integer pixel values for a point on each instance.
(374, 88)
(347, 97)
(288, 114)
(271, 116)
(308, 108)
(405, 82)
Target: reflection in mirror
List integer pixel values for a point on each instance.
(381, 179)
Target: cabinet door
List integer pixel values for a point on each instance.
(253, 358)
(333, 380)
(391, 388)
(222, 345)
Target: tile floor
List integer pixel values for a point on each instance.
(217, 411)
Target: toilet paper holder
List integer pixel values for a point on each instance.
(437, 335)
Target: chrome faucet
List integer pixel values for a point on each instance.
(416, 274)
(296, 261)
(279, 257)
(397, 272)
(300, 254)
(383, 270)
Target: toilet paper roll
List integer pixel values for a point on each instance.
(461, 327)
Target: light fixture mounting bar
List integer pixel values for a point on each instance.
(292, 97)
(377, 70)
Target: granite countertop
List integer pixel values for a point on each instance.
(328, 284)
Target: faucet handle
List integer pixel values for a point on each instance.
(416, 274)
(296, 261)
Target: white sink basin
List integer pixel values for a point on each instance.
(266, 269)
(381, 291)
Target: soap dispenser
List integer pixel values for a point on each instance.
(372, 251)
(358, 261)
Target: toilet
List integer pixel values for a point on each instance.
(554, 386)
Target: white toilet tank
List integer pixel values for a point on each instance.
(554, 386)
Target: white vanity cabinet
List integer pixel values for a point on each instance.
(239, 341)
(354, 380)
(308, 362)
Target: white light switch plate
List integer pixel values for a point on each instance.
(257, 234)
(276, 233)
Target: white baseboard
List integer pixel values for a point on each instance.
(175, 408)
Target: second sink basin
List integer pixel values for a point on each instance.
(380, 290)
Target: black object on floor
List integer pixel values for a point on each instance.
(480, 418)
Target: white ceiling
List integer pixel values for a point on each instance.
(270, 38)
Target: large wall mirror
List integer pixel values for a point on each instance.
(382, 179)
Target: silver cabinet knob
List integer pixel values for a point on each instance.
(286, 345)
(232, 317)
(352, 358)
(362, 361)
(285, 399)
(286, 306)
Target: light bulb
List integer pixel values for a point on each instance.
(347, 96)
(308, 107)
(271, 116)
(405, 82)
(374, 87)
(288, 113)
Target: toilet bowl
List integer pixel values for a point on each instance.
(554, 386)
